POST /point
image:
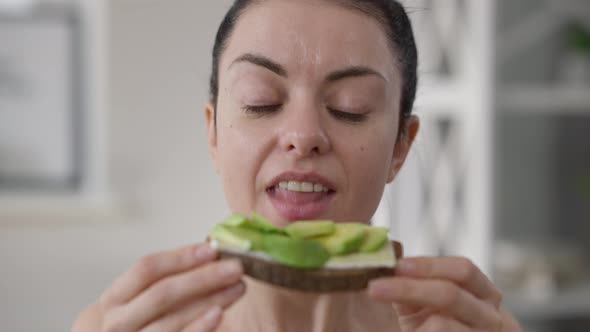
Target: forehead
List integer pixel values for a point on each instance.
(311, 37)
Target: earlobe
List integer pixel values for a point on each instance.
(403, 145)
(211, 133)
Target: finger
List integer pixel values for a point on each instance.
(410, 318)
(177, 290)
(460, 270)
(407, 310)
(207, 323)
(443, 324)
(176, 321)
(440, 295)
(154, 267)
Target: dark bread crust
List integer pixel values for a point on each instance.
(311, 280)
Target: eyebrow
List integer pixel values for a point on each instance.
(356, 71)
(262, 61)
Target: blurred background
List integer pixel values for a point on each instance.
(103, 156)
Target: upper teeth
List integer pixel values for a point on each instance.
(306, 187)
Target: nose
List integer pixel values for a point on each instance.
(303, 134)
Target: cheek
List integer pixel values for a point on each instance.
(370, 164)
(367, 166)
(371, 155)
(240, 152)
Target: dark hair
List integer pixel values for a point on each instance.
(390, 13)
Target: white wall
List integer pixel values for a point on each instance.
(158, 160)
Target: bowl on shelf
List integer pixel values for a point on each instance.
(538, 270)
(575, 63)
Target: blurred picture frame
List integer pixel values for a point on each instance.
(41, 100)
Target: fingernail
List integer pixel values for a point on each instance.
(375, 290)
(384, 289)
(235, 290)
(231, 268)
(407, 267)
(212, 314)
(204, 252)
(375, 287)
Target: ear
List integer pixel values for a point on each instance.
(403, 145)
(211, 133)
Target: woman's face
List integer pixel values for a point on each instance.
(307, 114)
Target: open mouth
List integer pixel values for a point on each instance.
(300, 197)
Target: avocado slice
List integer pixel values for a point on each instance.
(307, 229)
(295, 252)
(258, 222)
(375, 238)
(347, 238)
(255, 222)
(235, 219)
(241, 238)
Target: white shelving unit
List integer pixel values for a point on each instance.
(453, 151)
(567, 303)
(442, 202)
(543, 98)
(540, 29)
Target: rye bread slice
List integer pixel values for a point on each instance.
(311, 280)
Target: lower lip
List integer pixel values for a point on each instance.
(298, 205)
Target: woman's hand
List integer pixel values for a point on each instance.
(182, 290)
(443, 294)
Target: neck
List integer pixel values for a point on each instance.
(268, 308)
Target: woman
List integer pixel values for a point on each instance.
(319, 93)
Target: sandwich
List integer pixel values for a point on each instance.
(309, 256)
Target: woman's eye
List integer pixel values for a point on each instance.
(348, 116)
(261, 110)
